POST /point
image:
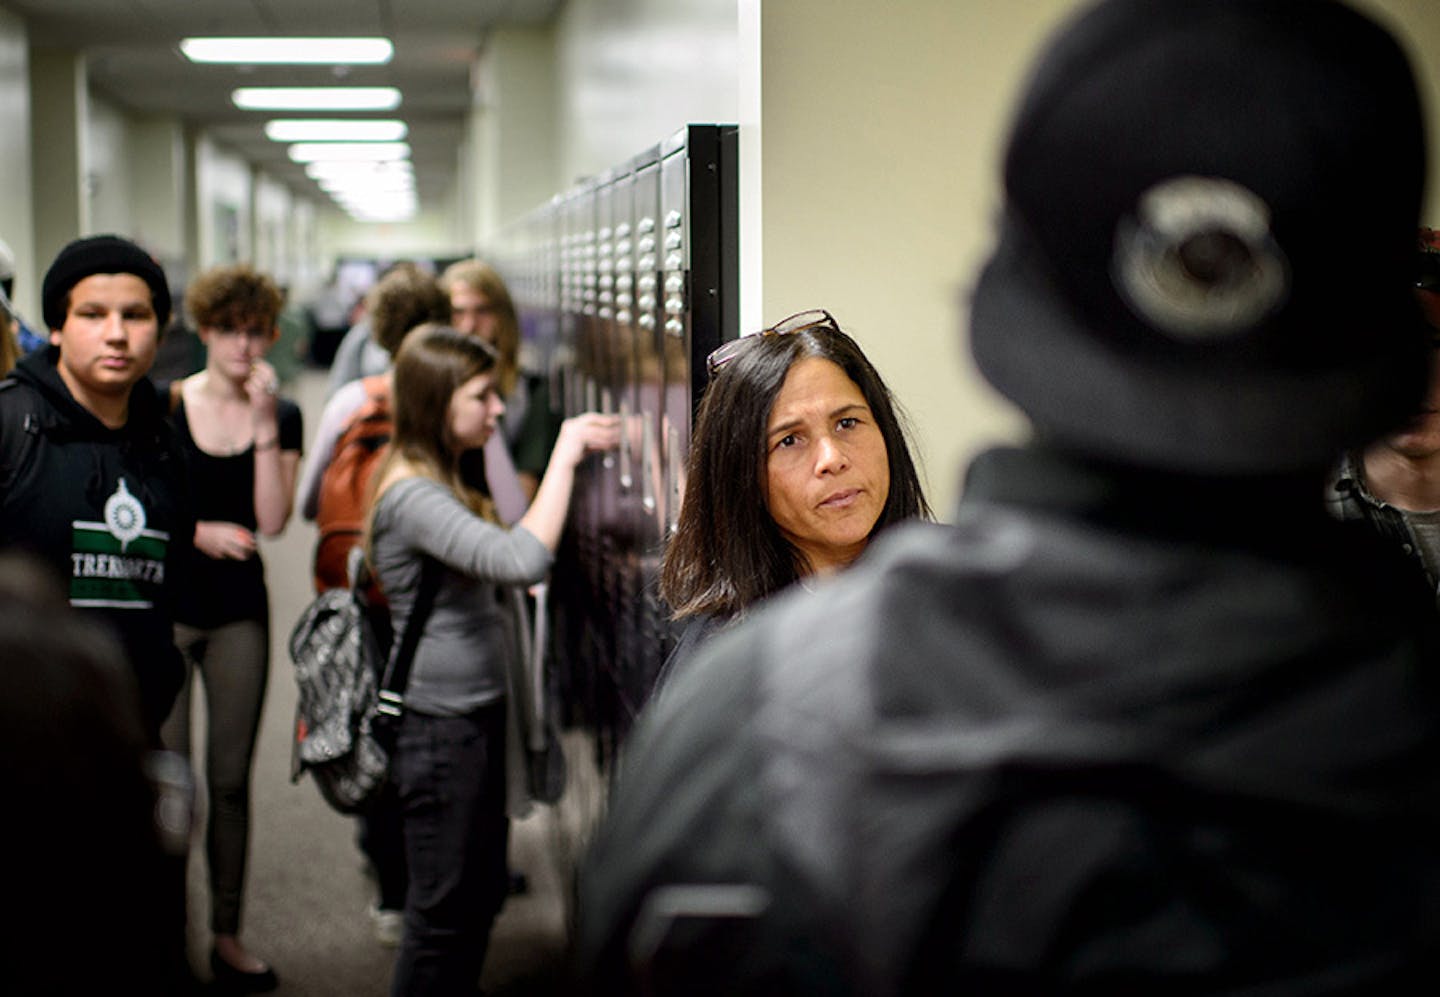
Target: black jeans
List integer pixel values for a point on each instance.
(450, 774)
(381, 837)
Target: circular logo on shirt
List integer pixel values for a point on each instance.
(124, 515)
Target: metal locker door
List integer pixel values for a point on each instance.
(697, 246)
(654, 638)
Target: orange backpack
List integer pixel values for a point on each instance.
(340, 512)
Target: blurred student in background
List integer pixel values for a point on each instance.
(480, 305)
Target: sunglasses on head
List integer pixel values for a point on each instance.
(814, 318)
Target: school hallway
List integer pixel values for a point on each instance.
(307, 894)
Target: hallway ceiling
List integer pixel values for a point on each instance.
(133, 58)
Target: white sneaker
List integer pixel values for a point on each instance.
(389, 926)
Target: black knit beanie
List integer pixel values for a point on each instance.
(100, 254)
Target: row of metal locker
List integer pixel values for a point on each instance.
(624, 284)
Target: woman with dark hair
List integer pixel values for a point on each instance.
(449, 764)
(798, 459)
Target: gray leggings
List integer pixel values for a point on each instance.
(234, 662)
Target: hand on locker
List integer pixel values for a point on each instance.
(589, 432)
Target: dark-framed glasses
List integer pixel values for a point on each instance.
(814, 318)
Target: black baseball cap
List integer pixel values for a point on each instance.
(1206, 259)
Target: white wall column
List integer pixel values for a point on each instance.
(159, 187)
(59, 108)
(17, 225)
(515, 152)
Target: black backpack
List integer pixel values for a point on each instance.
(20, 429)
(346, 714)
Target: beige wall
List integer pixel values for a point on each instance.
(107, 175)
(881, 137)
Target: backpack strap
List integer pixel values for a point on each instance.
(19, 431)
(397, 670)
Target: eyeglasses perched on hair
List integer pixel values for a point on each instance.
(815, 318)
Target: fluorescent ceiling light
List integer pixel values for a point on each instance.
(379, 209)
(376, 152)
(377, 204)
(373, 185)
(334, 130)
(289, 51)
(399, 215)
(316, 98)
(324, 169)
(376, 181)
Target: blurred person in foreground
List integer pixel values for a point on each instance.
(1145, 720)
(92, 830)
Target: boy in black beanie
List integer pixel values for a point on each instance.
(90, 478)
(92, 486)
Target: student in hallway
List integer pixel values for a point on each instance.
(242, 444)
(92, 477)
(93, 487)
(450, 762)
(480, 305)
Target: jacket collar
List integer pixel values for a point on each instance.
(1230, 510)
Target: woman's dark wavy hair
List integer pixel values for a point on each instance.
(727, 552)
